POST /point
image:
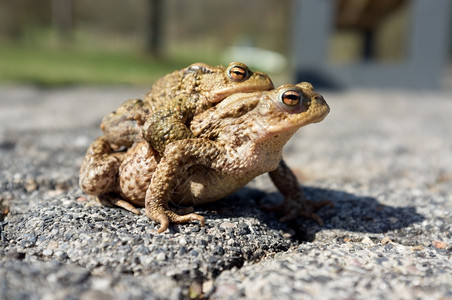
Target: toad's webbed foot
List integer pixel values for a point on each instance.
(306, 209)
(294, 204)
(166, 216)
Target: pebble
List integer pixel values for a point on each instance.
(366, 240)
(440, 244)
(101, 283)
(228, 225)
(47, 252)
(60, 255)
(182, 241)
(385, 240)
(161, 256)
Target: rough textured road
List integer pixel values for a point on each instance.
(383, 157)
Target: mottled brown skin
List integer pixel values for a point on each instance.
(174, 100)
(235, 141)
(122, 127)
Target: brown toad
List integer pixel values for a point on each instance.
(174, 100)
(235, 141)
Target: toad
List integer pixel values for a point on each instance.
(174, 100)
(235, 141)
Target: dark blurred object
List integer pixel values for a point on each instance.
(365, 16)
(63, 18)
(16, 17)
(155, 38)
(371, 43)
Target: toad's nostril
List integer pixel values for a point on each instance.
(318, 98)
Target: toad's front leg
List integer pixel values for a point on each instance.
(295, 204)
(179, 157)
(167, 124)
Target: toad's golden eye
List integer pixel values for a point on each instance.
(291, 97)
(238, 73)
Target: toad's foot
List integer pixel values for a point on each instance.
(306, 209)
(115, 200)
(294, 204)
(166, 216)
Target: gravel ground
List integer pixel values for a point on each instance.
(383, 157)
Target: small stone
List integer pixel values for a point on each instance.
(207, 287)
(60, 255)
(212, 259)
(367, 240)
(195, 290)
(182, 241)
(95, 294)
(182, 250)
(47, 252)
(287, 235)
(385, 240)
(52, 245)
(417, 248)
(393, 220)
(439, 244)
(225, 291)
(28, 239)
(30, 185)
(202, 243)
(82, 199)
(161, 256)
(100, 283)
(54, 193)
(218, 250)
(225, 225)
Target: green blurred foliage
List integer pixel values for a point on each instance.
(58, 42)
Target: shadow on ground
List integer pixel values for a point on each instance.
(350, 212)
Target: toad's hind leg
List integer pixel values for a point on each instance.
(116, 200)
(100, 168)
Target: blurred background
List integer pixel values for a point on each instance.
(332, 43)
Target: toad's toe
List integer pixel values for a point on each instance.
(115, 200)
(165, 217)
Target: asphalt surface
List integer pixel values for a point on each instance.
(383, 157)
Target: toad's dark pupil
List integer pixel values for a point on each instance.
(291, 98)
(237, 73)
